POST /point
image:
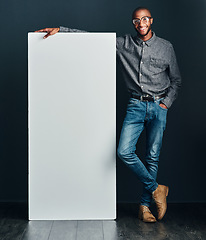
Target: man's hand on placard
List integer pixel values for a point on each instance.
(163, 106)
(50, 31)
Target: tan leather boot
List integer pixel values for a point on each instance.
(145, 214)
(159, 196)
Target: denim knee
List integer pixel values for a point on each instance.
(120, 153)
(125, 156)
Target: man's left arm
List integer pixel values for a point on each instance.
(175, 80)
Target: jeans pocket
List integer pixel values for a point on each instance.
(158, 103)
(133, 101)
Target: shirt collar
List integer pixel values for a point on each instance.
(148, 42)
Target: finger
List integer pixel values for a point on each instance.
(50, 33)
(47, 35)
(42, 30)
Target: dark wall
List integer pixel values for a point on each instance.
(182, 162)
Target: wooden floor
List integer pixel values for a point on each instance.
(181, 222)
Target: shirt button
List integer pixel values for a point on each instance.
(141, 62)
(142, 86)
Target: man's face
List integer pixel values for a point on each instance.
(143, 28)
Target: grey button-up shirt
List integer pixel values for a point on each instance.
(149, 67)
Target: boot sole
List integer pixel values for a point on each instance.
(146, 221)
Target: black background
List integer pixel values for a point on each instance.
(182, 161)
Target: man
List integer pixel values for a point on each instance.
(152, 77)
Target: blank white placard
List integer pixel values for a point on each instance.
(72, 126)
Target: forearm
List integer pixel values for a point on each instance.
(172, 93)
(175, 80)
(66, 29)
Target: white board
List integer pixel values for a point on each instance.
(72, 126)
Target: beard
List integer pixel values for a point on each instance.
(142, 35)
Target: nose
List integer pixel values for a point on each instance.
(141, 23)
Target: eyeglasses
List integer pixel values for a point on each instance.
(145, 19)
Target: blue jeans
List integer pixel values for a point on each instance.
(152, 117)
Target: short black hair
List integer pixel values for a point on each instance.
(141, 8)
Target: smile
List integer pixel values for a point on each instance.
(142, 28)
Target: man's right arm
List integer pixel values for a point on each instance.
(52, 31)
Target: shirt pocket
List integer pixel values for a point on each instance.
(157, 65)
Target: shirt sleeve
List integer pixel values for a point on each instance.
(66, 29)
(175, 80)
(120, 42)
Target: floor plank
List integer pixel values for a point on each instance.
(126, 228)
(13, 229)
(12, 220)
(91, 230)
(37, 230)
(63, 230)
(190, 218)
(110, 230)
